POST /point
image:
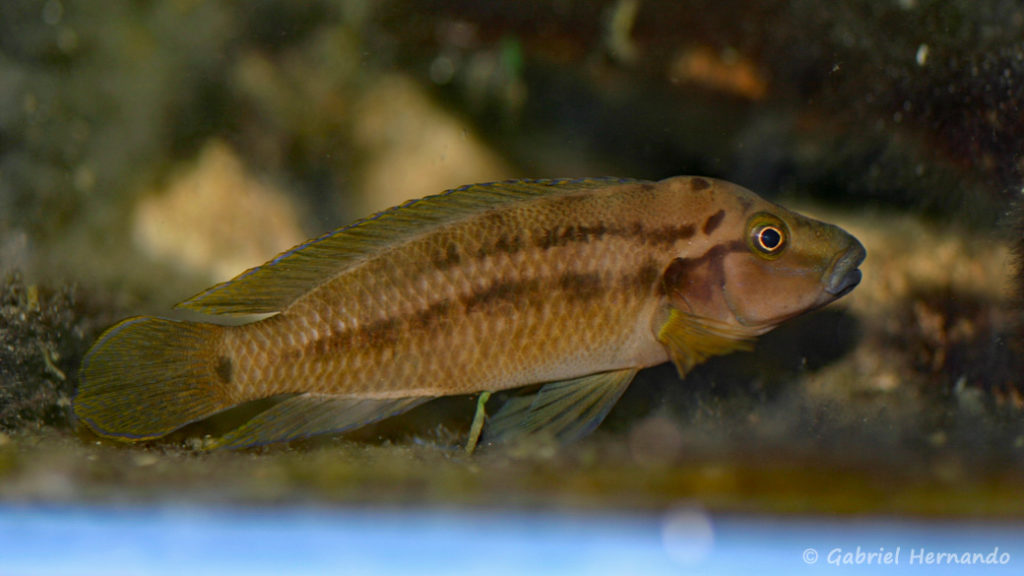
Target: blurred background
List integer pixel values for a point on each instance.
(148, 149)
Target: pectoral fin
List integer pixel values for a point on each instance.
(563, 411)
(309, 415)
(691, 340)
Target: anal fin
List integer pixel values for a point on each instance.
(310, 415)
(564, 411)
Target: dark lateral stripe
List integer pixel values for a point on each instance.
(574, 234)
(582, 286)
(450, 254)
(643, 280)
(574, 286)
(501, 291)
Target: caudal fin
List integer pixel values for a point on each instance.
(147, 377)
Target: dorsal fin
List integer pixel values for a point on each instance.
(276, 284)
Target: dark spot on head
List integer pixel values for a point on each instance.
(224, 369)
(698, 184)
(745, 203)
(712, 223)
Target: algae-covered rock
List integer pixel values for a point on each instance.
(43, 334)
(215, 218)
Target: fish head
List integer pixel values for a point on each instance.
(764, 264)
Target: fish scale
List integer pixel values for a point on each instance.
(574, 283)
(546, 319)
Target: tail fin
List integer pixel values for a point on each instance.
(147, 377)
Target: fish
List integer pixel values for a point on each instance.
(563, 288)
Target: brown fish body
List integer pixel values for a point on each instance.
(541, 291)
(603, 277)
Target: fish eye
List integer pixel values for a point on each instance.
(768, 239)
(767, 236)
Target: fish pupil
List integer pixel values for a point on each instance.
(769, 238)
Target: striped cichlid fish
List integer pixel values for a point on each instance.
(572, 284)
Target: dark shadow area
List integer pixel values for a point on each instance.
(779, 359)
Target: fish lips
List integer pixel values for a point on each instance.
(844, 275)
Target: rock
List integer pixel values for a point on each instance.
(415, 148)
(215, 218)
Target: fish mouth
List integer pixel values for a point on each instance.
(844, 274)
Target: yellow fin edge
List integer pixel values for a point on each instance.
(691, 339)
